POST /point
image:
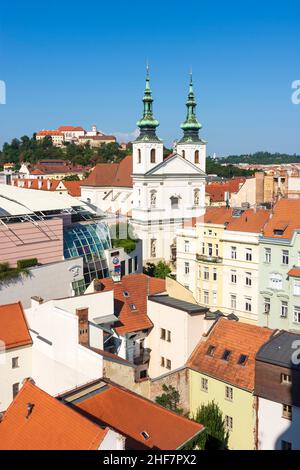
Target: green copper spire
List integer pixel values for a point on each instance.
(147, 123)
(191, 125)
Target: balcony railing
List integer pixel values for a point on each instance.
(143, 358)
(208, 258)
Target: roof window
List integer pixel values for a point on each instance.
(226, 354)
(242, 359)
(210, 350)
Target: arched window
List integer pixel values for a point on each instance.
(139, 156)
(152, 156)
(197, 156)
(174, 202)
(183, 153)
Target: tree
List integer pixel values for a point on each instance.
(160, 270)
(170, 398)
(215, 435)
(74, 177)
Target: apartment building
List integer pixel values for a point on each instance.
(279, 288)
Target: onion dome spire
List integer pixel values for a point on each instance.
(147, 123)
(191, 125)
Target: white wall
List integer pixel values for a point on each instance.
(112, 441)
(272, 428)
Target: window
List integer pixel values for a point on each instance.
(135, 263)
(214, 296)
(143, 374)
(203, 248)
(183, 153)
(174, 202)
(267, 255)
(296, 286)
(233, 301)
(248, 280)
(162, 362)
(217, 249)
(15, 362)
(205, 297)
(186, 268)
(210, 250)
(248, 254)
(197, 156)
(248, 304)
(206, 273)
(242, 360)
(210, 233)
(139, 156)
(162, 333)
(228, 422)
(215, 275)
(285, 257)
(275, 281)
(204, 384)
(130, 266)
(297, 314)
(267, 305)
(284, 309)
(226, 354)
(233, 277)
(169, 336)
(285, 445)
(168, 364)
(287, 411)
(15, 389)
(152, 156)
(210, 350)
(228, 393)
(233, 252)
(132, 307)
(186, 246)
(286, 379)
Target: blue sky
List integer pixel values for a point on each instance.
(82, 63)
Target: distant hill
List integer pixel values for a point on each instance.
(264, 158)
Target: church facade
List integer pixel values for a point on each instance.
(158, 194)
(168, 193)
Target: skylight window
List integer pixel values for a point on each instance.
(145, 435)
(242, 359)
(132, 307)
(210, 350)
(226, 355)
(126, 293)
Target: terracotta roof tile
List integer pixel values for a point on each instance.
(111, 174)
(70, 128)
(73, 188)
(50, 426)
(294, 272)
(138, 286)
(250, 221)
(285, 217)
(14, 331)
(217, 190)
(239, 338)
(130, 415)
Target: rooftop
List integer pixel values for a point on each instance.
(111, 174)
(132, 291)
(279, 350)
(228, 353)
(37, 421)
(136, 417)
(14, 332)
(285, 219)
(217, 190)
(188, 307)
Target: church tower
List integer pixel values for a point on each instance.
(191, 146)
(147, 149)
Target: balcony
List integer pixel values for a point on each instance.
(208, 258)
(143, 358)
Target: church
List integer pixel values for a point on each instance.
(159, 194)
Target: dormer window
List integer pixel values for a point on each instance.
(152, 156)
(210, 350)
(132, 307)
(242, 359)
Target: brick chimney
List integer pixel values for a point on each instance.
(83, 325)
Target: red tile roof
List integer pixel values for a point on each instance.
(217, 190)
(43, 184)
(111, 174)
(50, 426)
(286, 217)
(138, 286)
(70, 128)
(131, 414)
(294, 272)
(217, 215)
(250, 221)
(49, 133)
(239, 338)
(14, 331)
(73, 187)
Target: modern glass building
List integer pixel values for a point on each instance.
(88, 241)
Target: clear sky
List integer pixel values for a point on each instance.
(80, 63)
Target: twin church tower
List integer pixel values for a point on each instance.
(167, 192)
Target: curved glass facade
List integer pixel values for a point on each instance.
(88, 241)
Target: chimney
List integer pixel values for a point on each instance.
(83, 325)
